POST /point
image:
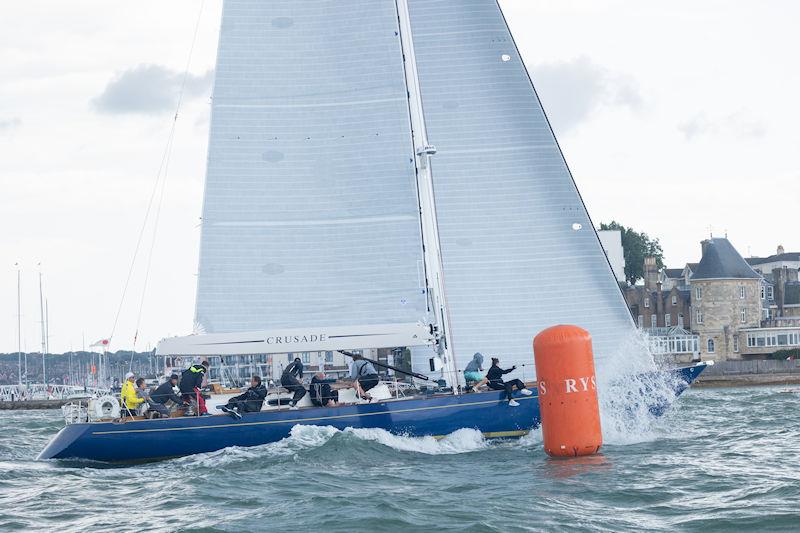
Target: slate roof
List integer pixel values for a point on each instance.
(787, 256)
(721, 261)
(673, 273)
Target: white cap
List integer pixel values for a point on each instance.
(128, 376)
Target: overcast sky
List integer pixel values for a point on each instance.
(674, 117)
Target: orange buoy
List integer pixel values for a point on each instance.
(567, 391)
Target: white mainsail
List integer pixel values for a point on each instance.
(311, 215)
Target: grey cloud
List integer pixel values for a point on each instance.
(8, 124)
(737, 124)
(572, 90)
(149, 89)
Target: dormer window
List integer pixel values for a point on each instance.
(647, 302)
(674, 300)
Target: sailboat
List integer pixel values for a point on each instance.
(380, 173)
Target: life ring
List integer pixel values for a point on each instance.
(104, 407)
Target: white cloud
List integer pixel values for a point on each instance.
(736, 124)
(149, 89)
(572, 90)
(8, 124)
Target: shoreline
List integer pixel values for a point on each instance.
(746, 380)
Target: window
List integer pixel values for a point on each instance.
(653, 321)
(289, 356)
(647, 302)
(698, 293)
(674, 300)
(742, 292)
(710, 345)
(699, 316)
(680, 320)
(329, 357)
(743, 316)
(668, 320)
(306, 357)
(770, 292)
(763, 292)
(640, 321)
(736, 343)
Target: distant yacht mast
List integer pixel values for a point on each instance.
(19, 329)
(44, 327)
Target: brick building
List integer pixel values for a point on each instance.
(654, 306)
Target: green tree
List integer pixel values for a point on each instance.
(635, 247)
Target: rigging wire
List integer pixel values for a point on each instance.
(160, 180)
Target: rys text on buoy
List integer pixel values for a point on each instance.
(573, 385)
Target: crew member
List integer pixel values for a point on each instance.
(290, 380)
(321, 393)
(130, 401)
(364, 375)
(495, 377)
(191, 382)
(166, 392)
(250, 401)
(472, 372)
(144, 394)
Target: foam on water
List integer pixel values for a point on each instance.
(628, 385)
(460, 441)
(729, 467)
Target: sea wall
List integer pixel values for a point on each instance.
(757, 372)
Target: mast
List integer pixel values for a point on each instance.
(44, 333)
(19, 328)
(434, 271)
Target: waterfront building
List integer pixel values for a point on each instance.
(654, 306)
(781, 259)
(726, 298)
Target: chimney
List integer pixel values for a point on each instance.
(780, 249)
(650, 273)
(703, 245)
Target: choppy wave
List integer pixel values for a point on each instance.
(720, 459)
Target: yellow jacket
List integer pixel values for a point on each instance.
(129, 397)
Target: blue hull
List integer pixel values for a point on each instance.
(144, 440)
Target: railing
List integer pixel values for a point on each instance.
(41, 391)
(682, 343)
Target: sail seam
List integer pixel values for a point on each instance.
(334, 222)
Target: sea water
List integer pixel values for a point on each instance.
(719, 460)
